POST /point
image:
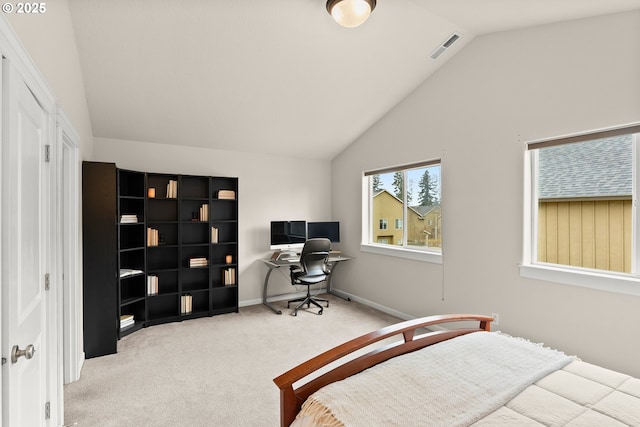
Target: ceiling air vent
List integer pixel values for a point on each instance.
(444, 46)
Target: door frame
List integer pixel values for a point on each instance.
(69, 238)
(12, 49)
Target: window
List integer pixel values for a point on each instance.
(581, 207)
(411, 195)
(383, 224)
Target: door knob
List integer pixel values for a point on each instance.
(27, 352)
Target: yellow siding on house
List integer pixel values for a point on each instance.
(591, 234)
(425, 231)
(387, 207)
(421, 231)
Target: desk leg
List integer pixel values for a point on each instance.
(333, 267)
(264, 293)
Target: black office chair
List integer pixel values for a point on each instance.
(313, 269)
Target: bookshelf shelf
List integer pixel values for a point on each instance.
(162, 270)
(131, 329)
(138, 248)
(131, 300)
(163, 221)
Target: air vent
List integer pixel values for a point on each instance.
(444, 46)
(451, 40)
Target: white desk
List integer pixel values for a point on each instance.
(272, 264)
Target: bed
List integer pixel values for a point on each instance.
(451, 370)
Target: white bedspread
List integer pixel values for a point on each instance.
(453, 383)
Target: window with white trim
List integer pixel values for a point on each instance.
(410, 194)
(582, 197)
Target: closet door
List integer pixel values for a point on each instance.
(26, 254)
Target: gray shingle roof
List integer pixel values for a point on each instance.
(423, 210)
(598, 168)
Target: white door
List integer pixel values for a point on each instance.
(25, 254)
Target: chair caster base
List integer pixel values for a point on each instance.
(307, 301)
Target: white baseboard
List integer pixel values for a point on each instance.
(281, 297)
(375, 305)
(337, 292)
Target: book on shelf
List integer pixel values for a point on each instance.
(229, 276)
(172, 189)
(214, 235)
(128, 218)
(204, 212)
(126, 320)
(126, 272)
(152, 284)
(198, 262)
(226, 194)
(153, 237)
(186, 304)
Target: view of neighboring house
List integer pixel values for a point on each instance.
(584, 204)
(423, 222)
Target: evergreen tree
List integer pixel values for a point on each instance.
(398, 187)
(427, 194)
(398, 184)
(377, 184)
(410, 188)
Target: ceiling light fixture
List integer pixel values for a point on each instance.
(350, 13)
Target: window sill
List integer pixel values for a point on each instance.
(611, 282)
(416, 255)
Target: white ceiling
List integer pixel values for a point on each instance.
(278, 76)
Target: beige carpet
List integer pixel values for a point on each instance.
(215, 371)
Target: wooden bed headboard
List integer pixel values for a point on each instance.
(292, 399)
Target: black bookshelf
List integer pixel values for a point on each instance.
(131, 251)
(224, 218)
(163, 254)
(174, 251)
(100, 258)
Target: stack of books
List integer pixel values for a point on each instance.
(214, 235)
(126, 320)
(226, 194)
(152, 237)
(172, 189)
(128, 218)
(229, 276)
(204, 212)
(198, 262)
(186, 304)
(152, 285)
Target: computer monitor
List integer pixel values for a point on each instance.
(328, 229)
(288, 235)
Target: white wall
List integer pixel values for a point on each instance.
(476, 113)
(51, 43)
(270, 188)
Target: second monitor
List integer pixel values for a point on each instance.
(327, 229)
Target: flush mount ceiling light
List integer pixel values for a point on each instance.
(350, 13)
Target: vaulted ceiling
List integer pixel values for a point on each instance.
(279, 76)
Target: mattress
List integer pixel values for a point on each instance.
(472, 381)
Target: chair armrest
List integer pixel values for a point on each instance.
(294, 272)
